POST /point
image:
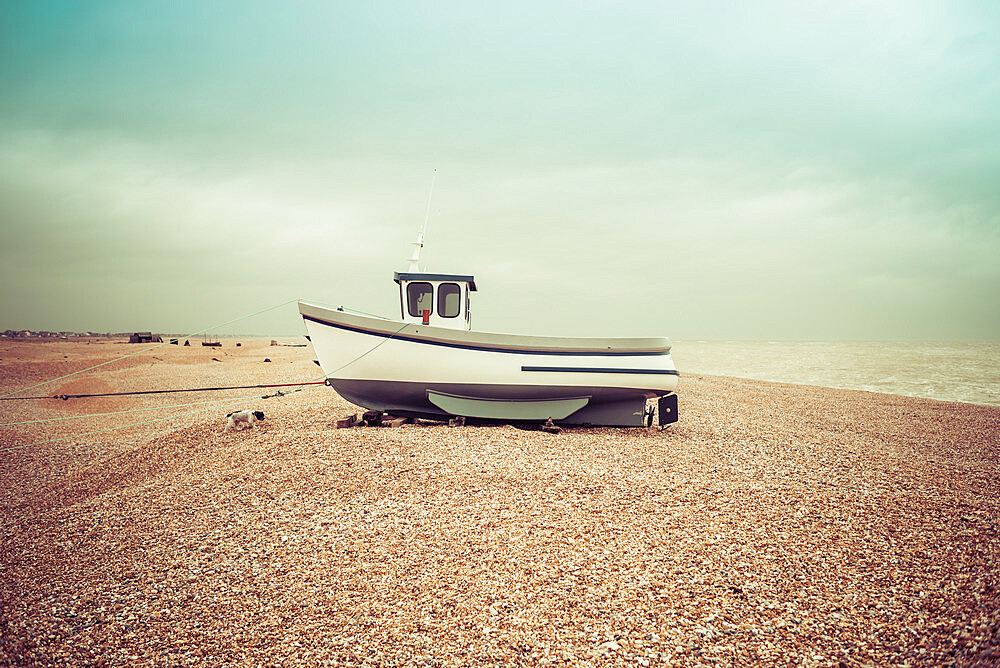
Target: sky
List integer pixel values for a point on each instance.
(698, 170)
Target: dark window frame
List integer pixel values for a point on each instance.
(411, 303)
(442, 295)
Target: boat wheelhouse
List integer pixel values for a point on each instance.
(440, 300)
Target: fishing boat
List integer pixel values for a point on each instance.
(431, 363)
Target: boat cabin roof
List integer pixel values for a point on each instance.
(410, 276)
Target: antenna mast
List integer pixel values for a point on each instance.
(419, 243)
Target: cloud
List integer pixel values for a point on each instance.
(783, 170)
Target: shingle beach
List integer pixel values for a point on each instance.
(774, 524)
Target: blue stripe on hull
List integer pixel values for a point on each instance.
(446, 344)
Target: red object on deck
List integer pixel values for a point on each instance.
(427, 316)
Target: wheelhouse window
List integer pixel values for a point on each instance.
(449, 300)
(419, 297)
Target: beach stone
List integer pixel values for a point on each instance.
(400, 540)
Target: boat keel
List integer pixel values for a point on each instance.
(507, 409)
(594, 407)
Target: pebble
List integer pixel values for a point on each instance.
(850, 518)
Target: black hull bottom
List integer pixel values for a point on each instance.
(608, 407)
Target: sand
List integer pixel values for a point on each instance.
(773, 524)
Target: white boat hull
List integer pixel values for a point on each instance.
(406, 368)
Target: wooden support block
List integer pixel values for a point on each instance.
(395, 422)
(457, 422)
(409, 420)
(347, 422)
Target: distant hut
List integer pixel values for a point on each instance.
(145, 337)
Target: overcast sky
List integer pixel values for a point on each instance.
(764, 170)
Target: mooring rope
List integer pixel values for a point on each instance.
(65, 397)
(370, 350)
(200, 410)
(341, 307)
(158, 408)
(146, 350)
(131, 410)
(134, 424)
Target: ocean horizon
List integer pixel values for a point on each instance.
(967, 372)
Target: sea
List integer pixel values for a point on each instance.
(947, 371)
